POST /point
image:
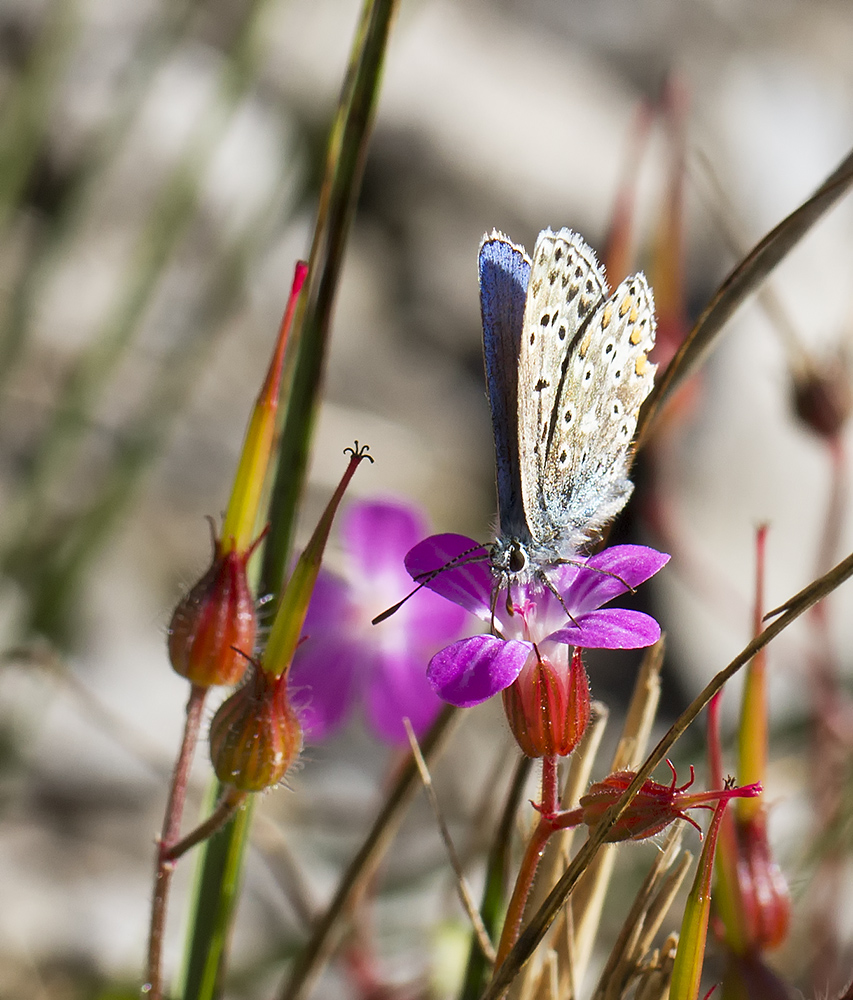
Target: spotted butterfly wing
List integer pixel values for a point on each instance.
(582, 375)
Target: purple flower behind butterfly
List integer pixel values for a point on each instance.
(472, 670)
(344, 659)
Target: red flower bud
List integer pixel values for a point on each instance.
(547, 706)
(654, 807)
(255, 735)
(765, 901)
(212, 632)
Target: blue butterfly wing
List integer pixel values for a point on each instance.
(504, 274)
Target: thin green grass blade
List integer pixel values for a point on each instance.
(25, 111)
(52, 564)
(168, 220)
(347, 150)
(218, 884)
(70, 212)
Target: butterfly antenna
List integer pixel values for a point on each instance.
(396, 607)
(426, 579)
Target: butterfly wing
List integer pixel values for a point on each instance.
(606, 377)
(566, 286)
(504, 272)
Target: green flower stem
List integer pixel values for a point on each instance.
(171, 830)
(690, 955)
(218, 885)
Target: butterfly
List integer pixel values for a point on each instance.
(567, 371)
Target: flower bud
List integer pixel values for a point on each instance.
(212, 632)
(547, 706)
(765, 900)
(654, 807)
(255, 735)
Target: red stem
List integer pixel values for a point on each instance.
(548, 809)
(171, 829)
(230, 802)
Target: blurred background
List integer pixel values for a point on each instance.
(159, 164)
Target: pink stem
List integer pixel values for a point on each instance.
(548, 809)
(171, 828)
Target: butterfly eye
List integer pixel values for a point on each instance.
(517, 559)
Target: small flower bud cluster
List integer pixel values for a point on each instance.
(256, 735)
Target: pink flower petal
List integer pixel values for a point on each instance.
(610, 573)
(472, 670)
(398, 689)
(456, 567)
(429, 621)
(378, 534)
(610, 628)
(323, 683)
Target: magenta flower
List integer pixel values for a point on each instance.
(344, 659)
(472, 670)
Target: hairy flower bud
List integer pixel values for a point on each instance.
(547, 706)
(255, 735)
(654, 807)
(212, 632)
